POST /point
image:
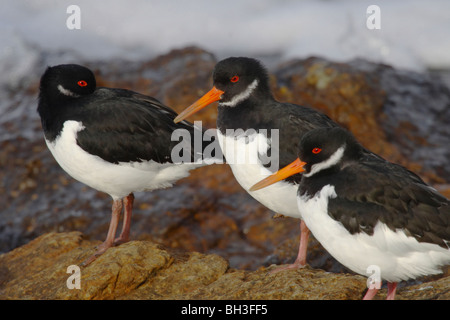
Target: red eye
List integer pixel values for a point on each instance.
(316, 150)
(82, 83)
(234, 79)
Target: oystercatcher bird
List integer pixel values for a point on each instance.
(114, 140)
(373, 216)
(252, 125)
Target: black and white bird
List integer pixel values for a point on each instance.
(375, 217)
(114, 140)
(254, 128)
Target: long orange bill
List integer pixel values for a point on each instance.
(289, 170)
(212, 95)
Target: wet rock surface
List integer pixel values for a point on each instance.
(398, 114)
(401, 115)
(145, 270)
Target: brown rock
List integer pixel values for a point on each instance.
(183, 276)
(399, 115)
(436, 290)
(144, 270)
(37, 269)
(349, 96)
(304, 284)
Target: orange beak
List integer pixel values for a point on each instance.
(212, 95)
(289, 170)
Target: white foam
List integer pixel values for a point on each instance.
(413, 35)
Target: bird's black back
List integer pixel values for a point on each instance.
(372, 190)
(121, 126)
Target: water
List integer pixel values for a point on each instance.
(414, 34)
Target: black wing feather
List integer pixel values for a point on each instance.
(393, 195)
(125, 126)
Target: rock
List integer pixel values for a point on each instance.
(401, 115)
(433, 290)
(115, 274)
(144, 270)
(186, 274)
(304, 284)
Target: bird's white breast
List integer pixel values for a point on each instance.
(242, 154)
(118, 180)
(397, 256)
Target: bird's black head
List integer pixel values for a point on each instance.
(66, 82)
(325, 148)
(240, 78)
(235, 80)
(321, 150)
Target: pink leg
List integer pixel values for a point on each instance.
(304, 237)
(301, 257)
(116, 211)
(370, 294)
(392, 287)
(125, 234)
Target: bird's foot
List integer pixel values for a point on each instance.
(119, 240)
(101, 249)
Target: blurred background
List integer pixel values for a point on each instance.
(168, 49)
(414, 34)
